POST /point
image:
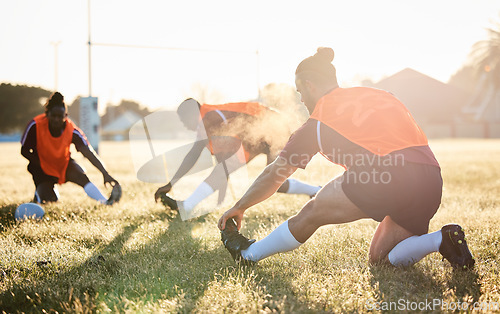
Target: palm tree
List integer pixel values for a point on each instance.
(486, 56)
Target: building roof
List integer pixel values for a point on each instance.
(428, 99)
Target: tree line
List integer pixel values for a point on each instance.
(18, 105)
(21, 103)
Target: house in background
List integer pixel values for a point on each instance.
(439, 108)
(442, 110)
(484, 107)
(118, 128)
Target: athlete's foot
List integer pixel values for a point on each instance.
(454, 247)
(116, 195)
(169, 202)
(235, 242)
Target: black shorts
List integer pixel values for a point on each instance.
(39, 176)
(410, 194)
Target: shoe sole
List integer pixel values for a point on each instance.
(457, 238)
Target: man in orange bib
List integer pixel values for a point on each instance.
(46, 144)
(391, 175)
(235, 133)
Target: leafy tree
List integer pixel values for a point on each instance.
(465, 79)
(18, 105)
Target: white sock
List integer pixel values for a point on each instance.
(202, 191)
(280, 240)
(297, 187)
(94, 192)
(56, 192)
(413, 249)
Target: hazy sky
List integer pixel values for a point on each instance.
(371, 39)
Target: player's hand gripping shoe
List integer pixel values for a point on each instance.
(454, 247)
(235, 242)
(116, 195)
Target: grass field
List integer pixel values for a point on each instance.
(136, 256)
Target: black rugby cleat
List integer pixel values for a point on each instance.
(235, 242)
(169, 202)
(454, 247)
(116, 195)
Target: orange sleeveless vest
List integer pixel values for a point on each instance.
(249, 108)
(53, 152)
(372, 118)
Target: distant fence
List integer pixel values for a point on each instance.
(16, 137)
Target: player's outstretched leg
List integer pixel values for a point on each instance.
(203, 191)
(94, 192)
(294, 186)
(280, 240)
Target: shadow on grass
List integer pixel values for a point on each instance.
(7, 216)
(466, 285)
(281, 295)
(412, 288)
(172, 265)
(173, 268)
(278, 278)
